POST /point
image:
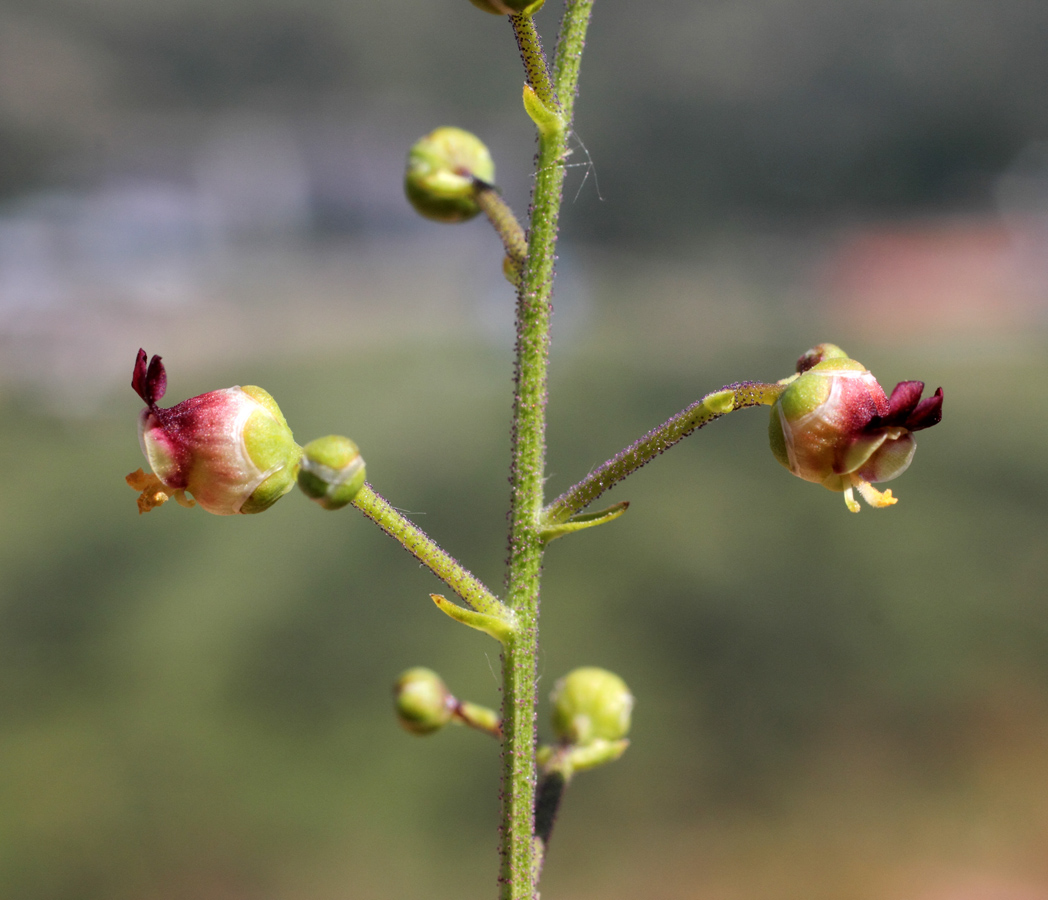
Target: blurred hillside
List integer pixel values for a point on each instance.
(828, 706)
(199, 706)
(695, 114)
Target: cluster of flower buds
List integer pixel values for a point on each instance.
(232, 451)
(834, 425)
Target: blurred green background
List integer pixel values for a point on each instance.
(828, 706)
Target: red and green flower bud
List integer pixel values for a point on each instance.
(332, 471)
(591, 704)
(445, 170)
(509, 7)
(834, 425)
(230, 449)
(422, 700)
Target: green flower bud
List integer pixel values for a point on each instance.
(423, 702)
(443, 172)
(591, 704)
(819, 353)
(509, 7)
(332, 471)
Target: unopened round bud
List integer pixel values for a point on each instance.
(423, 702)
(591, 704)
(509, 7)
(332, 471)
(442, 174)
(819, 353)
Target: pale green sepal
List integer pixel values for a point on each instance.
(583, 520)
(271, 448)
(569, 759)
(500, 629)
(597, 753)
(548, 121)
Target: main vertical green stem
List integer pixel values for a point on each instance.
(518, 872)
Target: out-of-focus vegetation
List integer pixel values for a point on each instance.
(828, 705)
(695, 113)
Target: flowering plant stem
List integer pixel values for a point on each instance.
(518, 873)
(550, 102)
(234, 452)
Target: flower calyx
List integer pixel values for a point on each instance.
(332, 471)
(591, 704)
(422, 701)
(591, 715)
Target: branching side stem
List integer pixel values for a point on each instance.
(536, 69)
(428, 552)
(505, 224)
(607, 475)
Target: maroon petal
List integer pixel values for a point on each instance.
(927, 413)
(156, 378)
(138, 378)
(904, 398)
(150, 382)
(901, 405)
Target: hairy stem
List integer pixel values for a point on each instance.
(505, 223)
(536, 69)
(568, 57)
(427, 552)
(518, 873)
(626, 462)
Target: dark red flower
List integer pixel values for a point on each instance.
(834, 425)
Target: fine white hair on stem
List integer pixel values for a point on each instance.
(589, 165)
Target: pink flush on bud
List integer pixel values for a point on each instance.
(231, 449)
(834, 425)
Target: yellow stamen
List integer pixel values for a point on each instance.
(154, 492)
(850, 501)
(874, 497)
